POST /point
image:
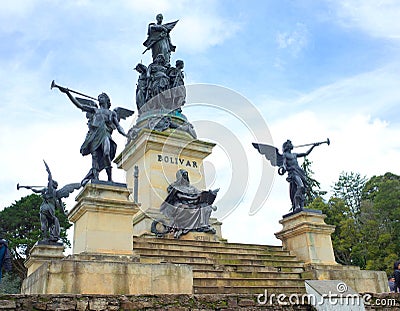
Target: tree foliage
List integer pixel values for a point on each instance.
(313, 186)
(20, 226)
(367, 219)
(10, 284)
(349, 188)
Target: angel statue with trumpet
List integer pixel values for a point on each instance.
(101, 122)
(287, 162)
(50, 226)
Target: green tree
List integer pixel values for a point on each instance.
(367, 219)
(349, 188)
(20, 224)
(346, 237)
(313, 189)
(380, 217)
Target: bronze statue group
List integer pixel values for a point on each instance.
(160, 91)
(160, 85)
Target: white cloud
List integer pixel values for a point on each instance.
(197, 33)
(295, 40)
(377, 18)
(360, 116)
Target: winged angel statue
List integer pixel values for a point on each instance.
(287, 162)
(50, 226)
(101, 123)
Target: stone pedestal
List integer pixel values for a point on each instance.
(158, 156)
(363, 281)
(307, 236)
(102, 260)
(102, 220)
(42, 253)
(108, 275)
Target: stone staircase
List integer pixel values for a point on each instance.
(227, 268)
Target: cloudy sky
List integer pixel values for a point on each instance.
(307, 69)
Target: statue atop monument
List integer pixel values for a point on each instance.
(50, 225)
(101, 123)
(287, 162)
(158, 85)
(159, 40)
(160, 88)
(141, 87)
(188, 208)
(177, 85)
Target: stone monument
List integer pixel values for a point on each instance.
(107, 216)
(154, 234)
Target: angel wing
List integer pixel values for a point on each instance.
(123, 113)
(271, 153)
(65, 191)
(47, 170)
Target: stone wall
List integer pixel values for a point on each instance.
(137, 302)
(377, 302)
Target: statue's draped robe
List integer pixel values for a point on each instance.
(159, 40)
(100, 129)
(183, 205)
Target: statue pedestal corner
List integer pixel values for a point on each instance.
(102, 220)
(306, 235)
(42, 253)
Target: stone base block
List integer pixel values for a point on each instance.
(360, 280)
(102, 220)
(100, 274)
(307, 236)
(42, 253)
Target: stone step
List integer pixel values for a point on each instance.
(211, 253)
(175, 259)
(256, 290)
(241, 282)
(165, 241)
(203, 264)
(215, 249)
(281, 265)
(264, 262)
(220, 273)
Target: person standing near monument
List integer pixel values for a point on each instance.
(5, 257)
(159, 40)
(396, 276)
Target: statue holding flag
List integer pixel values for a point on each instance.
(158, 39)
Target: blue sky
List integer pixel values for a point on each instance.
(313, 69)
